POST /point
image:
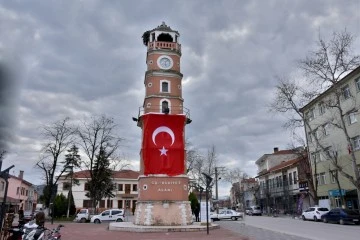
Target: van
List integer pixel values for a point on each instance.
(255, 210)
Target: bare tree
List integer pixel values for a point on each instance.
(58, 137)
(99, 133)
(323, 69)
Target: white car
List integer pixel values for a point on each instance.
(314, 213)
(226, 214)
(111, 215)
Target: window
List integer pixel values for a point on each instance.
(66, 186)
(134, 188)
(329, 153)
(120, 187)
(333, 176)
(310, 137)
(109, 203)
(165, 86)
(357, 83)
(120, 204)
(26, 192)
(321, 178)
(321, 108)
(165, 107)
(310, 114)
(326, 129)
(290, 178)
(315, 157)
(352, 118)
(285, 180)
(127, 188)
(2, 186)
(356, 142)
(105, 213)
(346, 92)
(102, 204)
(86, 187)
(18, 191)
(295, 177)
(87, 203)
(277, 182)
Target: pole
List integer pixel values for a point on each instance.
(70, 194)
(207, 207)
(216, 183)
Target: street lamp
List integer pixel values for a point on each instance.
(208, 182)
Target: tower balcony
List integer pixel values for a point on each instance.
(173, 110)
(164, 45)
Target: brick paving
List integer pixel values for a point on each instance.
(90, 231)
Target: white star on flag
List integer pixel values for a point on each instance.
(163, 151)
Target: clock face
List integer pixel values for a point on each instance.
(165, 62)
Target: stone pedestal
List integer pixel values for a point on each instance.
(163, 201)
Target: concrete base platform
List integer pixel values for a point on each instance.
(130, 227)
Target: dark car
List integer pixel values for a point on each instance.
(342, 216)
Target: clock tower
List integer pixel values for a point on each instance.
(163, 184)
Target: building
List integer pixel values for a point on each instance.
(126, 193)
(279, 175)
(328, 144)
(21, 193)
(243, 194)
(163, 183)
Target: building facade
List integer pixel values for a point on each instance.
(243, 194)
(21, 193)
(328, 143)
(280, 175)
(125, 183)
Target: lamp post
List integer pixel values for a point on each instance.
(208, 182)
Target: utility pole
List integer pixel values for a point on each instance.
(216, 187)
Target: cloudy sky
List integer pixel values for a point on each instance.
(80, 58)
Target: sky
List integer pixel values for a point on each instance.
(76, 59)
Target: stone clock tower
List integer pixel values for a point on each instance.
(163, 183)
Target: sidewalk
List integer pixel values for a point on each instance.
(90, 231)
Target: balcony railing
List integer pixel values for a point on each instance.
(157, 109)
(164, 45)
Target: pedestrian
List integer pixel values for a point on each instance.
(21, 214)
(196, 212)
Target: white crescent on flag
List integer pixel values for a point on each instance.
(163, 129)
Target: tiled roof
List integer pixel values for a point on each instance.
(249, 180)
(285, 164)
(22, 180)
(127, 174)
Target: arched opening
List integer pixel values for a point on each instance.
(165, 37)
(165, 107)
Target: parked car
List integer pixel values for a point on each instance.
(83, 215)
(28, 215)
(248, 210)
(255, 210)
(314, 213)
(226, 214)
(116, 215)
(342, 216)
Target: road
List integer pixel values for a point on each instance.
(279, 228)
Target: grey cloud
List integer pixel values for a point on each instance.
(87, 57)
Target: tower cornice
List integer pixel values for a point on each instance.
(165, 73)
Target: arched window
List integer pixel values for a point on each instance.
(165, 106)
(165, 37)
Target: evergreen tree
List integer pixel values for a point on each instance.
(100, 186)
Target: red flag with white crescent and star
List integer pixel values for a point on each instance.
(163, 144)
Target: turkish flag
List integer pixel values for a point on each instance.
(163, 144)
